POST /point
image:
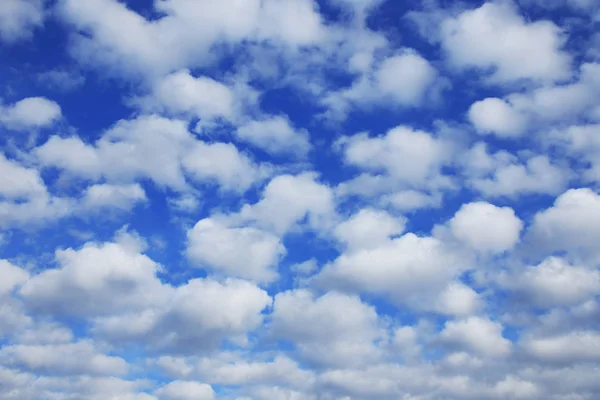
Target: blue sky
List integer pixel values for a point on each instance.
(299, 199)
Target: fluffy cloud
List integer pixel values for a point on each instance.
(275, 135)
(412, 157)
(493, 115)
(185, 34)
(244, 252)
(476, 334)
(486, 228)
(196, 317)
(503, 175)
(63, 359)
(495, 36)
(30, 113)
(182, 390)
(96, 279)
(129, 151)
(322, 332)
(569, 225)
(555, 282)
(405, 78)
(18, 19)
(181, 94)
(287, 200)
(410, 270)
(123, 197)
(368, 228)
(570, 348)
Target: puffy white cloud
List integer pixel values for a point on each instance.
(30, 113)
(275, 135)
(244, 252)
(97, 279)
(334, 329)
(408, 200)
(131, 148)
(186, 390)
(405, 78)
(12, 277)
(570, 225)
(195, 318)
(502, 175)
(409, 270)
(458, 299)
(18, 19)
(368, 228)
(62, 359)
(287, 200)
(583, 141)
(409, 156)
(486, 227)
(476, 334)
(555, 282)
(239, 371)
(123, 197)
(180, 93)
(17, 181)
(185, 33)
(493, 115)
(224, 164)
(495, 36)
(515, 388)
(567, 349)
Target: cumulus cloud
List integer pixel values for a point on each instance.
(496, 38)
(486, 228)
(18, 19)
(244, 252)
(30, 113)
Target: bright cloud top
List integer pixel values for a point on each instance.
(299, 200)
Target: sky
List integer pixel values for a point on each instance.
(299, 200)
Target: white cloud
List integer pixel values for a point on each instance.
(368, 228)
(571, 348)
(555, 282)
(12, 277)
(123, 197)
(493, 115)
(236, 370)
(244, 252)
(275, 135)
(476, 334)
(407, 200)
(570, 225)
(502, 174)
(458, 299)
(409, 156)
(405, 78)
(97, 279)
(186, 390)
(496, 37)
(195, 318)
(126, 43)
(224, 164)
(409, 270)
(18, 19)
(63, 359)
(19, 182)
(287, 200)
(131, 148)
(30, 113)
(182, 94)
(334, 329)
(486, 228)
